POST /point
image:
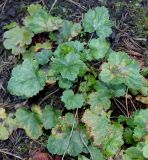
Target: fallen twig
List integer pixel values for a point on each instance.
(54, 3)
(70, 134)
(77, 4)
(48, 96)
(13, 155)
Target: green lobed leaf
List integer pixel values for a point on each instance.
(40, 21)
(43, 56)
(121, 69)
(71, 100)
(27, 79)
(98, 20)
(98, 48)
(128, 135)
(60, 141)
(69, 67)
(88, 84)
(140, 120)
(17, 43)
(30, 122)
(50, 117)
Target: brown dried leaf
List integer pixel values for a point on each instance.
(142, 99)
(38, 155)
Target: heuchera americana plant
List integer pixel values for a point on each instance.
(93, 135)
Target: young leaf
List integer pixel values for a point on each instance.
(105, 134)
(68, 31)
(27, 80)
(43, 56)
(30, 122)
(69, 47)
(71, 100)
(98, 20)
(50, 117)
(88, 84)
(10, 25)
(99, 48)
(69, 67)
(51, 77)
(40, 21)
(121, 69)
(15, 42)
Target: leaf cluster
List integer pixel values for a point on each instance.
(70, 65)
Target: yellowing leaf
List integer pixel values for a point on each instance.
(142, 99)
(40, 21)
(104, 134)
(16, 39)
(3, 114)
(30, 122)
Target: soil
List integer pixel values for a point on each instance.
(130, 34)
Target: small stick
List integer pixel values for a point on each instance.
(54, 3)
(5, 152)
(120, 103)
(119, 107)
(48, 96)
(133, 105)
(126, 102)
(70, 134)
(85, 145)
(4, 4)
(77, 4)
